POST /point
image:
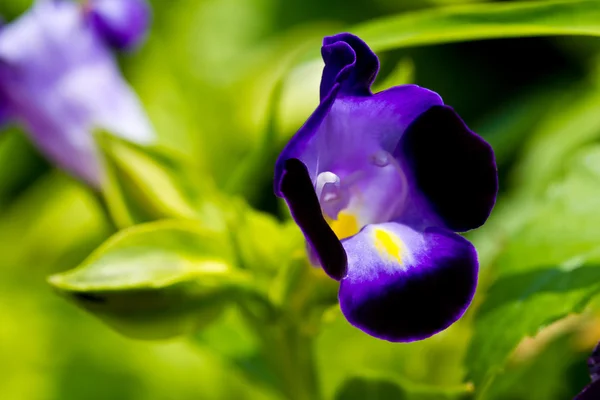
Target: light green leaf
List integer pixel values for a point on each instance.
(549, 268)
(145, 185)
(482, 21)
(158, 280)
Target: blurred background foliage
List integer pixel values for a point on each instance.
(210, 79)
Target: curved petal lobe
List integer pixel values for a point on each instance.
(451, 166)
(404, 285)
(350, 62)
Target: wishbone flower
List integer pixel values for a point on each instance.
(59, 80)
(379, 183)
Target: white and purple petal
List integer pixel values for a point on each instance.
(403, 284)
(122, 23)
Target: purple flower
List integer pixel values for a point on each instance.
(60, 81)
(379, 183)
(592, 391)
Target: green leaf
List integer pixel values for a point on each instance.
(145, 185)
(482, 21)
(520, 305)
(549, 268)
(158, 280)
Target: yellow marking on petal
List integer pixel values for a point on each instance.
(345, 225)
(388, 244)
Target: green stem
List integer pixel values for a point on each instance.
(289, 352)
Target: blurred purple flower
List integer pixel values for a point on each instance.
(379, 183)
(60, 81)
(592, 391)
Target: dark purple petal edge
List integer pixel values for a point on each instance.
(452, 166)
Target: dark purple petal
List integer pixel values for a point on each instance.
(300, 196)
(451, 166)
(404, 285)
(350, 62)
(590, 392)
(122, 23)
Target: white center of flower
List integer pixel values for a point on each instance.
(328, 187)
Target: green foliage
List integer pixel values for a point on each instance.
(549, 371)
(548, 269)
(157, 280)
(145, 185)
(264, 243)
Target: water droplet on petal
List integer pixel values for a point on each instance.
(381, 158)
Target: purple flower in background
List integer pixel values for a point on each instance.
(60, 81)
(379, 183)
(592, 391)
